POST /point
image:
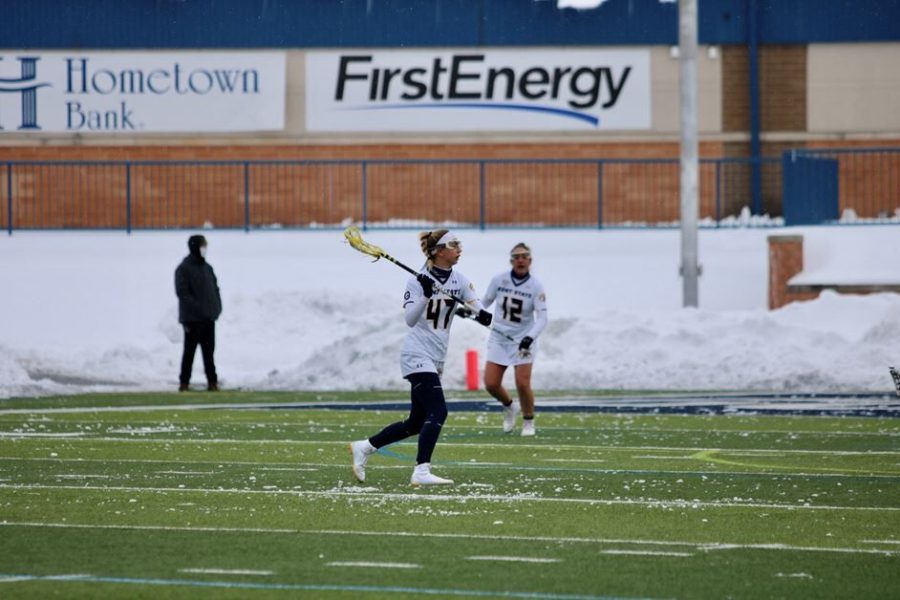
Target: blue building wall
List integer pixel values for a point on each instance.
(97, 24)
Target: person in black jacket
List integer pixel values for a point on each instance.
(199, 305)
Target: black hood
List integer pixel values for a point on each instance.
(194, 243)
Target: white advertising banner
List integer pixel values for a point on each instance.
(141, 92)
(477, 90)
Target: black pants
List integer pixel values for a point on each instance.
(426, 417)
(203, 333)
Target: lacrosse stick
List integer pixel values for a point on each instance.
(354, 238)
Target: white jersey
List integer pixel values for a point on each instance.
(429, 319)
(521, 308)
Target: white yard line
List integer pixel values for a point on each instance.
(646, 553)
(490, 445)
(516, 559)
(474, 465)
(700, 546)
(118, 409)
(368, 495)
(507, 538)
(374, 565)
(221, 463)
(39, 435)
(227, 571)
(305, 469)
(315, 589)
(463, 464)
(714, 547)
(652, 430)
(706, 546)
(150, 527)
(737, 432)
(481, 427)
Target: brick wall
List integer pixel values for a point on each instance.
(782, 88)
(163, 194)
(735, 89)
(785, 261)
(173, 195)
(869, 183)
(782, 108)
(214, 151)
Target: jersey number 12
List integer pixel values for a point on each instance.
(512, 309)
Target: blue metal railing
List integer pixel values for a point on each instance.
(596, 193)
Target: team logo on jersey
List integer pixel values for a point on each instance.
(542, 297)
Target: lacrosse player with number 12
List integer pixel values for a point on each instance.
(520, 314)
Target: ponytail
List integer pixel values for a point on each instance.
(428, 241)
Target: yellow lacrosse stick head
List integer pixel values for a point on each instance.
(354, 238)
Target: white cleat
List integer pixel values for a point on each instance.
(422, 476)
(360, 452)
(509, 417)
(528, 428)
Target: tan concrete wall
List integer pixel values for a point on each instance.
(664, 83)
(854, 88)
(295, 102)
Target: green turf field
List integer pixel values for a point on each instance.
(173, 502)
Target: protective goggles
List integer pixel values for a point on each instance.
(451, 241)
(522, 255)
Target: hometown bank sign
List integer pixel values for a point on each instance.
(478, 90)
(135, 92)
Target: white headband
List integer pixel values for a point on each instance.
(447, 238)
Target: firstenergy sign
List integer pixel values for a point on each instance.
(478, 90)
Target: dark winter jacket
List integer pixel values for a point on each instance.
(197, 290)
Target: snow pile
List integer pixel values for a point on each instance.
(97, 311)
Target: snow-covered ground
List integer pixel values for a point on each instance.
(302, 310)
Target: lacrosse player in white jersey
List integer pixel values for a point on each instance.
(429, 310)
(520, 314)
